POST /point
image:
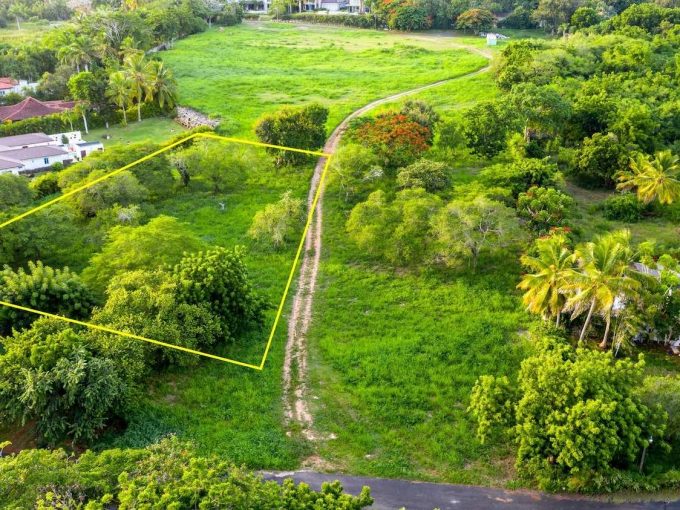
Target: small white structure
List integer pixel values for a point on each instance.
(10, 85)
(37, 151)
(491, 39)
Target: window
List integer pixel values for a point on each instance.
(46, 161)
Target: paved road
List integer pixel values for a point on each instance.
(396, 494)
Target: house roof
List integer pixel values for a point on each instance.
(31, 107)
(33, 153)
(6, 164)
(7, 83)
(21, 140)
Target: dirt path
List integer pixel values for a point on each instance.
(295, 402)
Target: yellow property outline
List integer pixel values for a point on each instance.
(282, 303)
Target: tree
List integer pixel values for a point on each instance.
(219, 278)
(600, 159)
(355, 168)
(430, 175)
(14, 191)
(164, 85)
(467, 228)
(521, 175)
(602, 279)
(422, 113)
(585, 17)
(43, 288)
(303, 128)
(140, 73)
(208, 161)
(53, 376)
(552, 14)
(551, 267)
(119, 91)
(544, 208)
(76, 51)
(122, 188)
(17, 11)
(486, 127)
(277, 223)
(575, 414)
(658, 179)
(164, 240)
(540, 108)
(477, 20)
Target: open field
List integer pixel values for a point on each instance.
(243, 72)
(30, 31)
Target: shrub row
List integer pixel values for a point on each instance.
(348, 20)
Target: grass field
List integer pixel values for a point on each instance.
(149, 130)
(242, 72)
(29, 31)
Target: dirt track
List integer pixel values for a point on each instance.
(296, 409)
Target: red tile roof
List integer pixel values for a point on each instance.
(31, 107)
(7, 83)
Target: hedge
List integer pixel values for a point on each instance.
(348, 20)
(56, 124)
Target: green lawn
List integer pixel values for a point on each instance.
(149, 130)
(29, 31)
(244, 71)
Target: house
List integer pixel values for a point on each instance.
(31, 107)
(27, 154)
(10, 85)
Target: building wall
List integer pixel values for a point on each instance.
(38, 163)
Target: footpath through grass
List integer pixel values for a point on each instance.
(241, 72)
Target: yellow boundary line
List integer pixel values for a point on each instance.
(282, 303)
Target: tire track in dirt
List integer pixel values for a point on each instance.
(295, 403)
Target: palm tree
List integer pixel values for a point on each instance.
(77, 52)
(544, 287)
(140, 73)
(603, 279)
(164, 85)
(119, 91)
(654, 180)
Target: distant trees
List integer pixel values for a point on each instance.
(477, 20)
(575, 415)
(303, 128)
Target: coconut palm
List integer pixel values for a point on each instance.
(78, 52)
(140, 72)
(654, 180)
(603, 279)
(164, 85)
(544, 286)
(119, 91)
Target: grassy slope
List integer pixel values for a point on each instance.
(245, 71)
(30, 31)
(226, 409)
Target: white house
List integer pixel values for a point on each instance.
(37, 151)
(10, 85)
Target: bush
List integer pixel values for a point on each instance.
(430, 175)
(42, 288)
(14, 191)
(303, 128)
(521, 175)
(600, 158)
(168, 474)
(544, 208)
(52, 375)
(278, 223)
(219, 279)
(349, 20)
(355, 168)
(665, 391)
(45, 185)
(624, 207)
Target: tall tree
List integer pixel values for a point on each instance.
(545, 286)
(140, 72)
(164, 86)
(658, 179)
(119, 91)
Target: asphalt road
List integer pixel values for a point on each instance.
(396, 494)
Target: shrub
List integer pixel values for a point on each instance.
(544, 208)
(624, 207)
(303, 128)
(278, 223)
(349, 20)
(422, 113)
(122, 189)
(219, 279)
(14, 191)
(664, 391)
(600, 158)
(575, 414)
(520, 175)
(45, 185)
(394, 137)
(52, 375)
(430, 175)
(42, 288)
